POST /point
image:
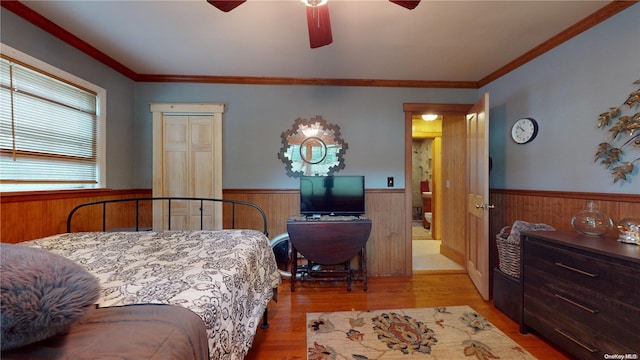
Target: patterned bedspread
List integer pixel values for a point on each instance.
(226, 277)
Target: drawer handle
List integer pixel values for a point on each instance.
(581, 344)
(576, 304)
(576, 270)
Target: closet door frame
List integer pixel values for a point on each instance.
(159, 110)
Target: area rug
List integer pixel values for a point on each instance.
(455, 332)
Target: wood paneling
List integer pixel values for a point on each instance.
(27, 216)
(387, 250)
(556, 208)
(279, 205)
(454, 199)
(118, 215)
(35, 215)
(553, 208)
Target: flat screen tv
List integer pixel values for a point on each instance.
(332, 195)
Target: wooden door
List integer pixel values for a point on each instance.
(477, 242)
(187, 168)
(187, 163)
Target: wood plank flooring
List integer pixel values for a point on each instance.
(285, 339)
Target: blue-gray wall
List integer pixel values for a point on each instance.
(21, 35)
(371, 121)
(564, 90)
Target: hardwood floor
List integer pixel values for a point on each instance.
(285, 339)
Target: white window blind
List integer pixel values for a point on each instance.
(48, 129)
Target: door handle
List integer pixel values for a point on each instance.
(485, 206)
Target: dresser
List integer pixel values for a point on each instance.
(582, 293)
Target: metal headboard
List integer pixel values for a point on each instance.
(137, 201)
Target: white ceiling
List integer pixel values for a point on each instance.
(437, 41)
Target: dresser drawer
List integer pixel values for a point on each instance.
(582, 293)
(549, 295)
(616, 281)
(581, 342)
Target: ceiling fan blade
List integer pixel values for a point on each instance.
(319, 26)
(226, 5)
(409, 4)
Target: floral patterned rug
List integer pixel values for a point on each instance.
(455, 332)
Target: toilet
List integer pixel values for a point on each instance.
(427, 216)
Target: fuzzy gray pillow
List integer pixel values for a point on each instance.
(41, 294)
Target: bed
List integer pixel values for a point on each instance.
(170, 332)
(226, 277)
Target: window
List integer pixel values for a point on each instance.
(51, 127)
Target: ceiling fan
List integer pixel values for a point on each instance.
(317, 17)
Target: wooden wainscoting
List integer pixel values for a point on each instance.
(553, 208)
(27, 216)
(36, 214)
(387, 250)
(279, 205)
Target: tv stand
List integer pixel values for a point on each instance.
(328, 245)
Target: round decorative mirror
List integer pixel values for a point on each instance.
(312, 147)
(313, 150)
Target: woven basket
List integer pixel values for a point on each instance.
(509, 256)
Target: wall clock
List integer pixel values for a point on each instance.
(524, 130)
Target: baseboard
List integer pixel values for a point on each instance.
(438, 272)
(452, 254)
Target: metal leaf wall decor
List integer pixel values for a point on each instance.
(617, 155)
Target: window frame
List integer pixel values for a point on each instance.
(101, 106)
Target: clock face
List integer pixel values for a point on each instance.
(524, 130)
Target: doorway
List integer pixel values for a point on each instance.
(445, 251)
(426, 137)
(426, 159)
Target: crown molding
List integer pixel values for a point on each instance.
(33, 17)
(253, 80)
(47, 25)
(581, 26)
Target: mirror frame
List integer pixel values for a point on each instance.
(296, 132)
